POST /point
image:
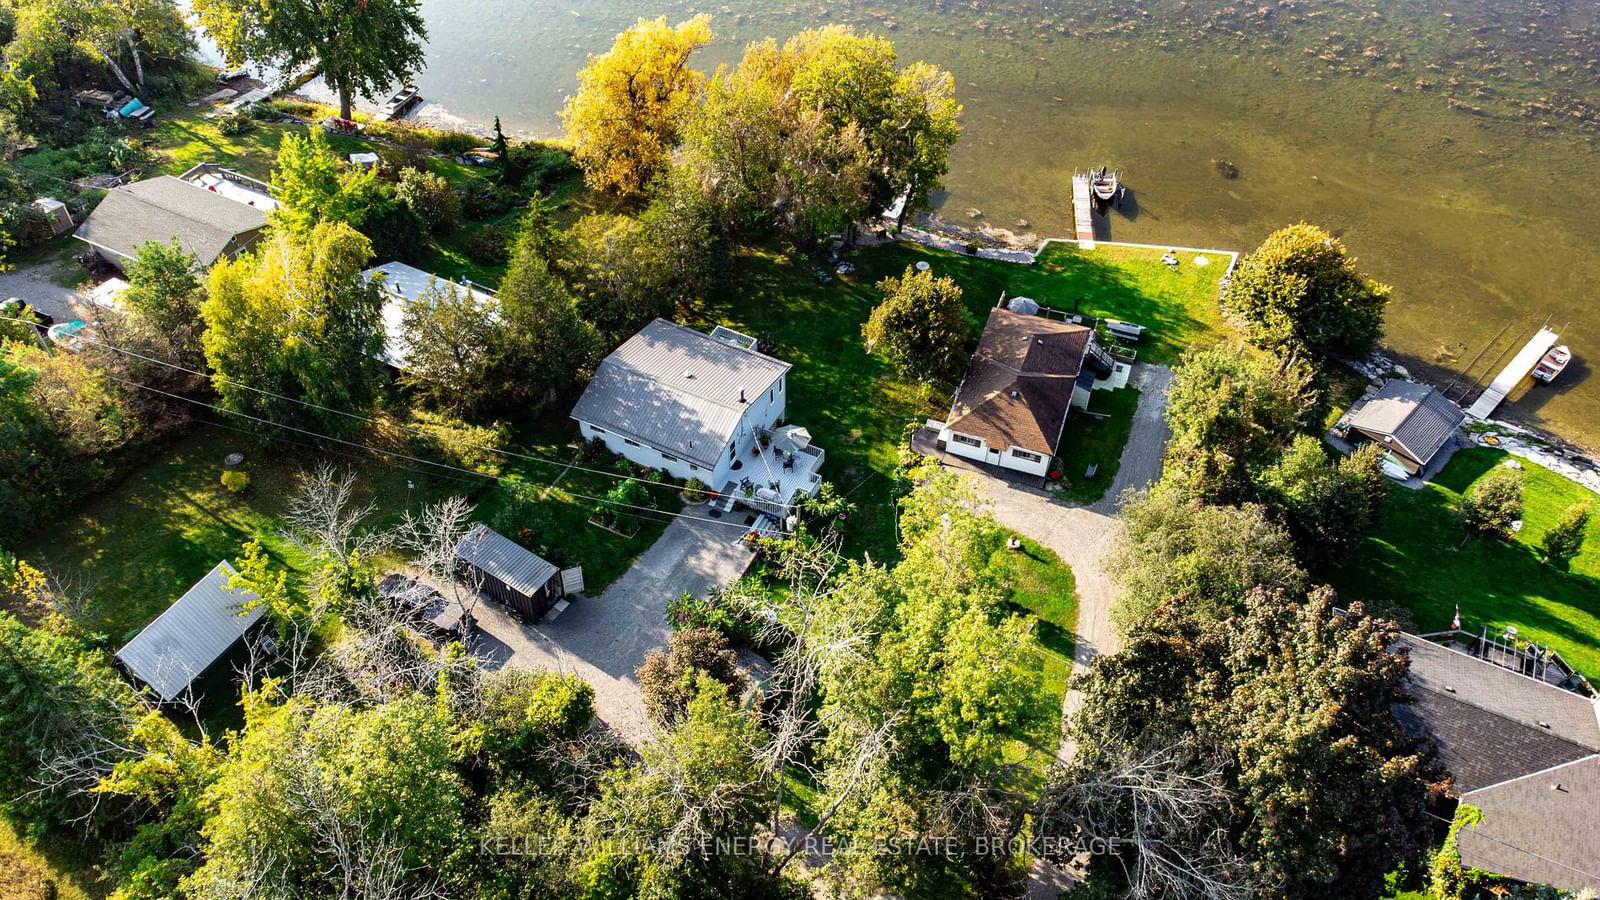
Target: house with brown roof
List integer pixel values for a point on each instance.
(1525, 752)
(1027, 374)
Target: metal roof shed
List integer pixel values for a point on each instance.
(193, 633)
(511, 573)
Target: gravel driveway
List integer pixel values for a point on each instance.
(40, 285)
(604, 639)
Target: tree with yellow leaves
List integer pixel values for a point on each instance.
(631, 101)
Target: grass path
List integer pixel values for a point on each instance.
(1415, 561)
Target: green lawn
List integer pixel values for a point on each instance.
(1088, 440)
(858, 409)
(143, 543)
(1178, 306)
(1414, 560)
(27, 866)
(1041, 585)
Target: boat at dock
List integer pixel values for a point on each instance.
(1552, 364)
(400, 104)
(1104, 183)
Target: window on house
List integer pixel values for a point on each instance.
(630, 443)
(669, 457)
(693, 467)
(964, 439)
(597, 429)
(1024, 454)
(772, 395)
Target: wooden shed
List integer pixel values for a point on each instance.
(509, 572)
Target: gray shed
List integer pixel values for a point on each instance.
(510, 573)
(190, 636)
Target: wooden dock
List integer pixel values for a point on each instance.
(1083, 210)
(1516, 377)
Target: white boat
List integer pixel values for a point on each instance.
(1552, 364)
(1104, 183)
(400, 104)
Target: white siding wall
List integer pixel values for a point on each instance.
(764, 411)
(1006, 458)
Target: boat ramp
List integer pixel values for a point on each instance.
(1515, 379)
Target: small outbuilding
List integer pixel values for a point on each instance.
(508, 572)
(192, 636)
(1411, 422)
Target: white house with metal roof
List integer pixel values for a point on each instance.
(402, 284)
(698, 406)
(191, 635)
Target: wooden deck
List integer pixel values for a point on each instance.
(1083, 210)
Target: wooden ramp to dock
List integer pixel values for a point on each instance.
(1517, 373)
(1083, 210)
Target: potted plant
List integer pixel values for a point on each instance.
(764, 435)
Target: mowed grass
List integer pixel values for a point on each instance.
(1415, 560)
(1090, 440)
(27, 866)
(140, 545)
(1038, 584)
(858, 409)
(1177, 306)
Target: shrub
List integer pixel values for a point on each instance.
(235, 480)
(234, 123)
(1492, 504)
(431, 197)
(485, 200)
(445, 439)
(594, 450)
(526, 712)
(489, 245)
(541, 167)
(666, 679)
(696, 491)
(1565, 538)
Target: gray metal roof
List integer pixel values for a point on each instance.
(1416, 416)
(677, 390)
(190, 635)
(160, 209)
(403, 283)
(510, 563)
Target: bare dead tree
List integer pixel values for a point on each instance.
(432, 538)
(326, 523)
(1161, 804)
(68, 592)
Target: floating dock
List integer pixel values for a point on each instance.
(1515, 379)
(1083, 210)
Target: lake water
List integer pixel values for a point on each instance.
(1452, 143)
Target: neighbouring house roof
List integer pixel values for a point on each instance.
(402, 283)
(1539, 828)
(678, 390)
(194, 632)
(1415, 416)
(1525, 752)
(1018, 389)
(163, 208)
(505, 560)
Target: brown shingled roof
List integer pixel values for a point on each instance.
(1019, 386)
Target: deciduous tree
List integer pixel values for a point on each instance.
(297, 320)
(1327, 506)
(1200, 557)
(1232, 411)
(1492, 503)
(449, 330)
(1300, 291)
(625, 117)
(358, 48)
(920, 325)
(668, 678)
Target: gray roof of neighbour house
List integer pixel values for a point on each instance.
(677, 390)
(505, 560)
(163, 208)
(1540, 828)
(402, 283)
(194, 632)
(1525, 752)
(1418, 417)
